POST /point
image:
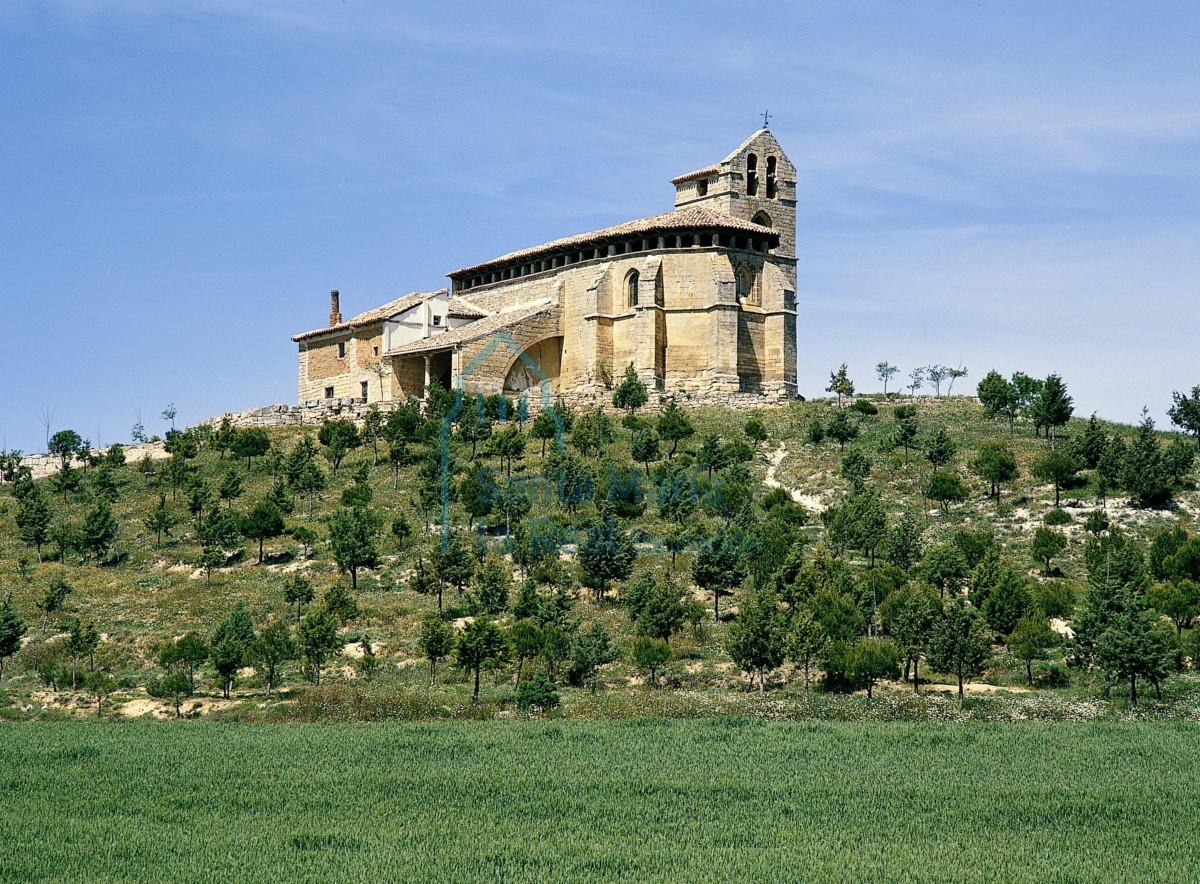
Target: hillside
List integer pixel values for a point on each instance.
(834, 552)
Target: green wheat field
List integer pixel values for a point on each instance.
(645, 799)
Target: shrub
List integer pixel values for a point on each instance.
(1057, 516)
(863, 407)
(538, 691)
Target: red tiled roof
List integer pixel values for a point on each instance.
(689, 218)
(378, 314)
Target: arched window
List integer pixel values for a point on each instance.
(751, 175)
(770, 178)
(631, 288)
(747, 285)
(762, 219)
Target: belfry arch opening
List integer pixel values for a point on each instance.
(762, 219)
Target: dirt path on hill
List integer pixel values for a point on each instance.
(811, 502)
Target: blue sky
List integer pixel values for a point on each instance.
(998, 185)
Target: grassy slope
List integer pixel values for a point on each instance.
(153, 594)
(646, 800)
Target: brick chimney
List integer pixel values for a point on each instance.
(335, 311)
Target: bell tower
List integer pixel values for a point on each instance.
(757, 182)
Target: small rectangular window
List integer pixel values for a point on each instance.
(329, 392)
(437, 320)
(374, 351)
(364, 389)
(341, 350)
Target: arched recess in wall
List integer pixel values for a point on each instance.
(632, 279)
(762, 219)
(748, 285)
(539, 362)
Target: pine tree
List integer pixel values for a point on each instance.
(755, 639)
(631, 393)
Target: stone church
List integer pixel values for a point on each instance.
(700, 300)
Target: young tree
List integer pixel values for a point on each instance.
(756, 431)
(339, 437)
(367, 664)
(160, 520)
(840, 384)
(660, 612)
(856, 469)
(591, 649)
(338, 602)
(33, 519)
(631, 393)
(1032, 640)
(273, 647)
(175, 687)
(885, 371)
(916, 378)
(904, 434)
(352, 534)
(373, 421)
(946, 488)
(99, 530)
(1057, 468)
(945, 568)
(1007, 602)
(1185, 412)
(231, 487)
(100, 685)
(250, 443)
(649, 655)
(66, 445)
(995, 463)
(804, 642)
(607, 553)
(54, 599)
(718, 567)
(940, 449)
(1053, 407)
(1132, 648)
(318, 640)
(452, 563)
(909, 615)
(1143, 472)
(674, 426)
(547, 427)
(508, 444)
(477, 492)
(959, 643)
(436, 642)
(1046, 544)
(871, 659)
(12, 629)
(480, 643)
(183, 655)
(710, 456)
(263, 522)
(842, 429)
(492, 585)
(644, 447)
(298, 591)
(526, 640)
(755, 639)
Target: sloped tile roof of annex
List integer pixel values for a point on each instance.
(474, 330)
(688, 218)
(378, 314)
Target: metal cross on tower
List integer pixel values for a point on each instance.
(766, 118)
